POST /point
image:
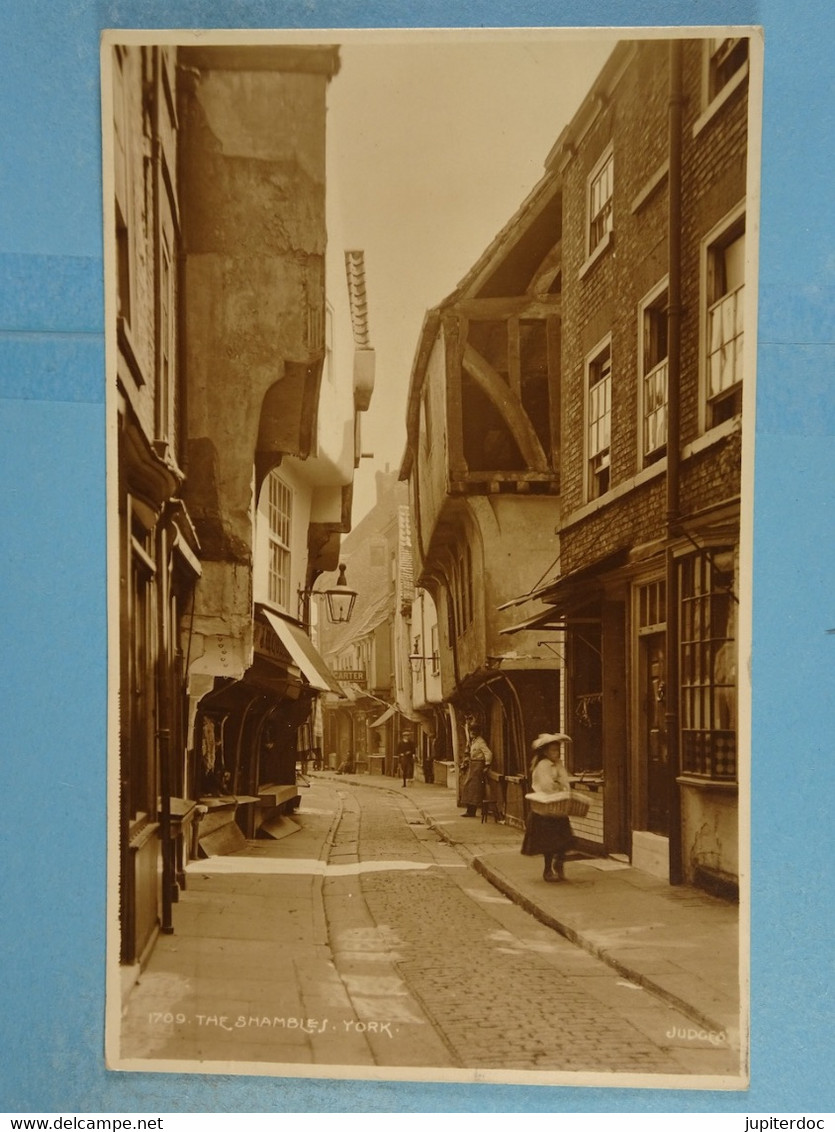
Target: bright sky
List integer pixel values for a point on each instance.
(435, 141)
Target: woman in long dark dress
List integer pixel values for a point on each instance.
(549, 835)
(479, 758)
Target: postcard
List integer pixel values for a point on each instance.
(430, 389)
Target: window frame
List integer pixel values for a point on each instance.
(720, 237)
(124, 219)
(718, 55)
(461, 587)
(279, 523)
(167, 346)
(597, 246)
(595, 249)
(656, 300)
(599, 356)
(143, 645)
(715, 96)
(650, 596)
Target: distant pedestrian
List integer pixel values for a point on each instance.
(477, 763)
(406, 757)
(549, 835)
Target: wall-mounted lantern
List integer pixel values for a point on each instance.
(339, 599)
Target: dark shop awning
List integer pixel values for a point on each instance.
(303, 653)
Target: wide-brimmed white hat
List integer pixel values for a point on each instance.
(545, 738)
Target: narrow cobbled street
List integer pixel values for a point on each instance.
(362, 939)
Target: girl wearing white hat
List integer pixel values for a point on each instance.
(549, 835)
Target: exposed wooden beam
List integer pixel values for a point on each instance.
(547, 271)
(514, 358)
(524, 306)
(455, 428)
(509, 406)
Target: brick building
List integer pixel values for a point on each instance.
(653, 175)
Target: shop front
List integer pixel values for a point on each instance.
(511, 708)
(247, 734)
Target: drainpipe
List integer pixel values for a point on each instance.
(673, 454)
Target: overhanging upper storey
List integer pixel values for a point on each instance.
(484, 395)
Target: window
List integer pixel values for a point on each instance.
(427, 421)
(725, 292)
(652, 606)
(167, 344)
(653, 362)
(726, 58)
(600, 212)
(708, 665)
(724, 71)
(435, 651)
(599, 420)
(462, 589)
(279, 517)
(140, 708)
(122, 265)
(122, 183)
(452, 628)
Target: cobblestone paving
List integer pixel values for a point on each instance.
(504, 992)
(366, 941)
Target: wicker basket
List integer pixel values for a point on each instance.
(558, 805)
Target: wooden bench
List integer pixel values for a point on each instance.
(279, 797)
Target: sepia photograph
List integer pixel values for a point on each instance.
(430, 362)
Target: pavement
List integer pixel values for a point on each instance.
(676, 941)
(213, 996)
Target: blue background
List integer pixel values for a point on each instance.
(52, 597)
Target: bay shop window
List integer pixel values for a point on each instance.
(708, 665)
